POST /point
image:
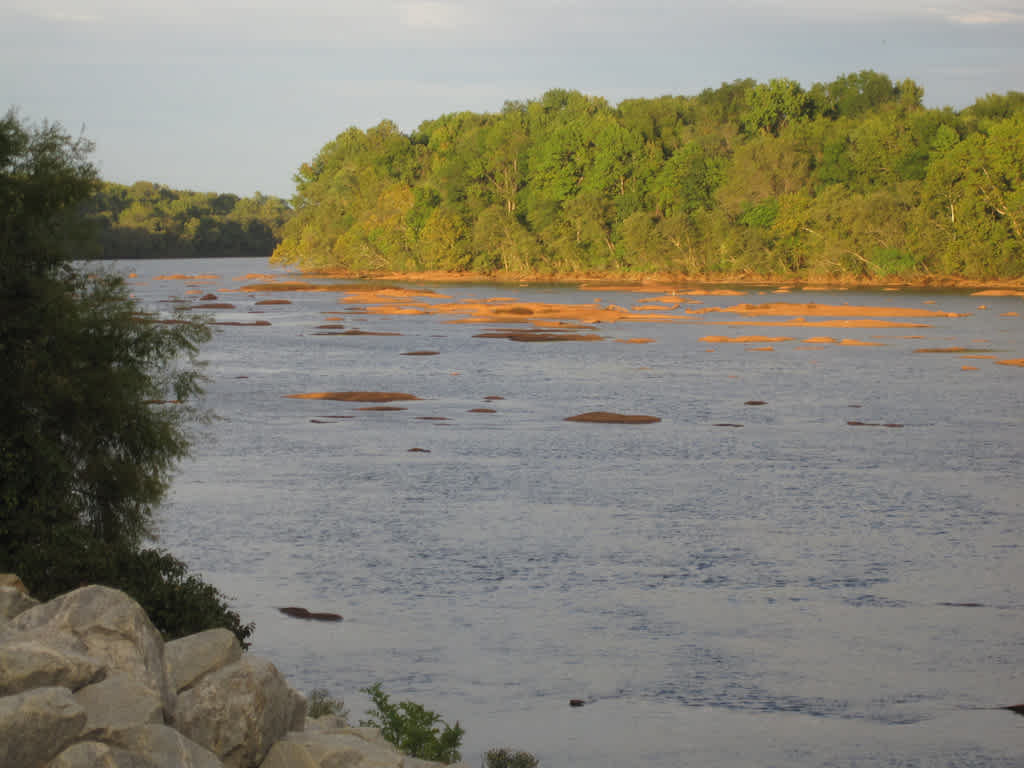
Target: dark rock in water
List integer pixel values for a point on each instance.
(755, 402)
(576, 702)
(1016, 708)
(302, 613)
(963, 605)
(723, 424)
(419, 450)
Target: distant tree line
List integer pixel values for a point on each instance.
(147, 220)
(848, 180)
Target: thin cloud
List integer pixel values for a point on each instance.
(979, 18)
(432, 15)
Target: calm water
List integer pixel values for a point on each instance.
(784, 593)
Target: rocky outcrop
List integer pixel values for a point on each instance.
(189, 658)
(86, 680)
(104, 624)
(239, 711)
(37, 725)
(14, 601)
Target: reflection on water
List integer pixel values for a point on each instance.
(791, 591)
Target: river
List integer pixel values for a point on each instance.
(792, 589)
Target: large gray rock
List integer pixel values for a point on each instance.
(163, 747)
(36, 725)
(29, 664)
(118, 703)
(92, 754)
(299, 706)
(105, 624)
(238, 712)
(340, 748)
(326, 724)
(347, 749)
(189, 658)
(14, 601)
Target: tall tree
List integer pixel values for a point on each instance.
(86, 445)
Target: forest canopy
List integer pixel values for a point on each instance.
(849, 180)
(147, 220)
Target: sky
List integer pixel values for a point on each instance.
(233, 96)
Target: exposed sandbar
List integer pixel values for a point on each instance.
(744, 339)
(788, 309)
(606, 417)
(538, 336)
(187, 277)
(355, 397)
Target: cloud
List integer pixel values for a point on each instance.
(982, 17)
(431, 14)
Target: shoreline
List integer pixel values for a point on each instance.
(662, 281)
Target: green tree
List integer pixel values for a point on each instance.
(87, 439)
(773, 105)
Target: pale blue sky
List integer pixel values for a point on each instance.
(232, 96)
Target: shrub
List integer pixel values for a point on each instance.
(413, 729)
(507, 758)
(321, 704)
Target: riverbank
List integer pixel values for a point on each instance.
(665, 281)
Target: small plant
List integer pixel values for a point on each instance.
(413, 729)
(507, 758)
(320, 704)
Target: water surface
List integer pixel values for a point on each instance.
(794, 591)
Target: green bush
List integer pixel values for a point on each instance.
(507, 758)
(321, 704)
(413, 729)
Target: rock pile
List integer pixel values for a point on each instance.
(86, 680)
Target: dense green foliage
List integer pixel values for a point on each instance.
(413, 729)
(147, 220)
(848, 180)
(86, 445)
(509, 758)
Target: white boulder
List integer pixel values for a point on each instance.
(191, 657)
(37, 725)
(238, 712)
(105, 624)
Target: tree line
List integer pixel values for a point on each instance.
(848, 180)
(148, 220)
